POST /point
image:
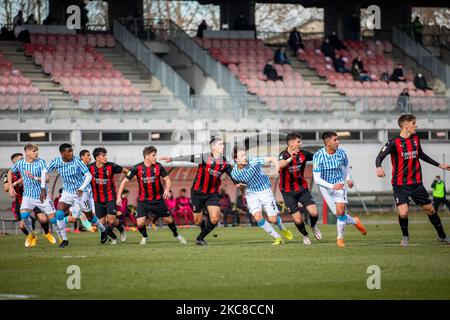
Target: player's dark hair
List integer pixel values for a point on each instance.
(30, 146)
(236, 149)
(405, 118)
(15, 155)
(83, 152)
(214, 139)
(328, 134)
(183, 190)
(149, 150)
(97, 151)
(64, 147)
(60, 190)
(293, 135)
(125, 191)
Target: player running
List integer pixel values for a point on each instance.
(28, 168)
(104, 192)
(405, 150)
(206, 185)
(151, 193)
(331, 171)
(294, 187)
(75, 179)
(258, 191)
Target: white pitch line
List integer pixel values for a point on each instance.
(8, 296)
(74, 256)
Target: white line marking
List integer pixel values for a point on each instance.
(74, 256)
(6, 296)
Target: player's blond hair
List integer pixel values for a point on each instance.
(30, 146)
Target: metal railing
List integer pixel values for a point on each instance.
(23, 107)
(168, 77)
(401, 38)
(241, 107)
(166, 30)
(200, 56)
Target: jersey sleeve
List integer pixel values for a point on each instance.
(81, 166)
(344, 158)
(131, 173)
(256, 161)
(116, 168)
(51, 166)
(308, 155)
(15, 167)
(316, 162)
(387, 149)
(228, 171)
(162, 171)
(283, 156)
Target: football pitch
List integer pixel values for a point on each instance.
(239, 263)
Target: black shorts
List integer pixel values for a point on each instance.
(291, 199)
(157, 208)
(17, 208)
(417, 192)
(104, 208)
(200, 200)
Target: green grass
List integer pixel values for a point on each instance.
(239, 263)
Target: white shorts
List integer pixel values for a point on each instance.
(332, 197)
(29, 204)
(76, 209)
(83, 203)
(256, 201)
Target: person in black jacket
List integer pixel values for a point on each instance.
(397, 75)
(420, 82)
(270, 72)
(327, 48)
(295, 41)
(335, 41)
(201, 28)
(339, 65)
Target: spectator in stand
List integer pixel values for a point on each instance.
(240, 23)
(420, 82)
(184, 209)
(339, 65)
(403, 101)
(359, 75)
(353, 26)
(123, 212)
(241, 208)
(226, 207)
(417, 30)
(438, 187)
(201, 28)
(295, 41)
(335, 41)
(327, 48)
(397, 74)
(281, 56)
(21, 33)
(360, 64)
(31, 19)
(18, 19)
(271, 73)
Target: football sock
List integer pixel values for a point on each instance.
(279, 223)
(45, 226)
(120, 227)
(404, 225)
(173, 228)
(27, 220)
(97, 222)
(349, 219)
(313, 220)
(208, 228)
(341, 222)
(436, 222)
(301, 227)
(267, 227)
(143, 231)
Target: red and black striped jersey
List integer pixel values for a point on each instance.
(207, 179)
(405, 154)
(149, 180)
(292, 176)
(102, 182)
(18, 188)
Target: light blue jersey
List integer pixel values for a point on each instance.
(252, 175)
(72, 173)
(31, 187)
(330, 166)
